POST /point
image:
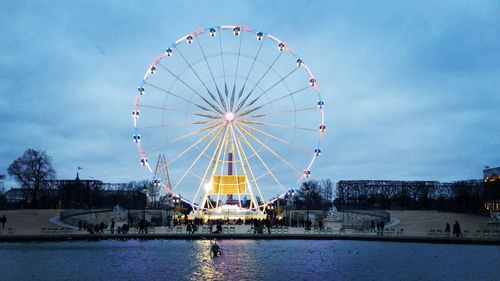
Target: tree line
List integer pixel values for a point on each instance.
(459, 196)
(34, 172)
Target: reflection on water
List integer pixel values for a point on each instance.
(247, 260)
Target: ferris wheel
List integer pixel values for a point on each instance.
(237, 114)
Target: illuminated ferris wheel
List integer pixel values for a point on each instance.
(237, 114)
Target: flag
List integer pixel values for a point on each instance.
(80, 168)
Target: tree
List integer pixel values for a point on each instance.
(2, 191)
(309, 195)
(327, 191)
(32, 170)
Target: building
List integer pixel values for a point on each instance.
(491, 178)
(18, 195)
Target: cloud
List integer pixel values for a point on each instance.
(411, 89)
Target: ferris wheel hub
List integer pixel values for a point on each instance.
(229, 116)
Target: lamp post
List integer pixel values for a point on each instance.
(289, 201)
(271, 207)
(176, 201)
(169, 215)
(145, 191)
(308, 192)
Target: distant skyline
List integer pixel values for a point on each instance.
(412, 88)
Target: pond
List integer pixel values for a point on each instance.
(247, 260)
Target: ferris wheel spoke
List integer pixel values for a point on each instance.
(192, 133)
(269, 149)
(249, 71)
(179, 111)
(236, 75)
(199, 78)
(246, 121)
(271, 136)
(179, 155)
(180, 97)
(258, 157)
(271, 87)
(223, 64)
(163, 126)
(213, 164)
(213, 106)
(226, 144)
(274, 113)
(222, 102)
(242, 103)
(290, 94)
(198, 158)
(254, 179)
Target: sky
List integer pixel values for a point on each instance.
(411, 87)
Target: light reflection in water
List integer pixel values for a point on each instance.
(238, 256)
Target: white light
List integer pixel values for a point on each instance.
(207, 186)
(229, 116)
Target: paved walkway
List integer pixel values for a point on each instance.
(45, 223)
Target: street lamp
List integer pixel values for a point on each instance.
(271, 207)
(170, 201)
(289, 201)
(176, 201)
(308, 192)
(145, 191)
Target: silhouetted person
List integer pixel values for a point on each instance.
(456, 229)
(216, 251)
(372, 227)
(447, 228)
(4, 220)
(80, 224)
(112, 227)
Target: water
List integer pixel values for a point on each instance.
(247, 260)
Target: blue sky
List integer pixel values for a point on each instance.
(412, 88)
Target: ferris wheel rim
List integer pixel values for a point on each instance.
(196, 33)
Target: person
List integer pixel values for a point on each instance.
(268, 226)
(372, 228)
(125, 228)
(216, 250)
(141, 226)
(457, 232)
(112, 227)
(447, 229)
(4, 220)
(80, 223)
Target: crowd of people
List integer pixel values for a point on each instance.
(99, 228)
(259, 226)
(378, 227)
(457, 231)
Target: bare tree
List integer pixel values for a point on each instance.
(327, 190)
(32, 170)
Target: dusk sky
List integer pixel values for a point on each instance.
(411, 87)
